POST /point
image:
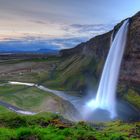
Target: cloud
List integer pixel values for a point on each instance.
(66, 42)
(92, 29)
(38, 22)
(89, 27)
(72, 35)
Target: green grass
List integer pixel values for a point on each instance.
(4, 89)
(48, 126)
(3, 110)
(128, 130)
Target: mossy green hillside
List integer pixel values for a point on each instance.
(48, 126)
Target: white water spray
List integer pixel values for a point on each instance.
(105, 98)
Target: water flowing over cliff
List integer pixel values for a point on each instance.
(106, 93)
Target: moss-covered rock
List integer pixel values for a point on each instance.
(133, 98)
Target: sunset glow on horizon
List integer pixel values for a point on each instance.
(64, 19)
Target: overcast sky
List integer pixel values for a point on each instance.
(61, 20)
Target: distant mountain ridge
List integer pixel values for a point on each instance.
(45, 51)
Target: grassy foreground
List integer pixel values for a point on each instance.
(48, 126)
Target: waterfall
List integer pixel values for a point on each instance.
(106, 97)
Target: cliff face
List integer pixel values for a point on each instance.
(96, 50)
(130, 71)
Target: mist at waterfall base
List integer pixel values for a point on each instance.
(104, 104)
